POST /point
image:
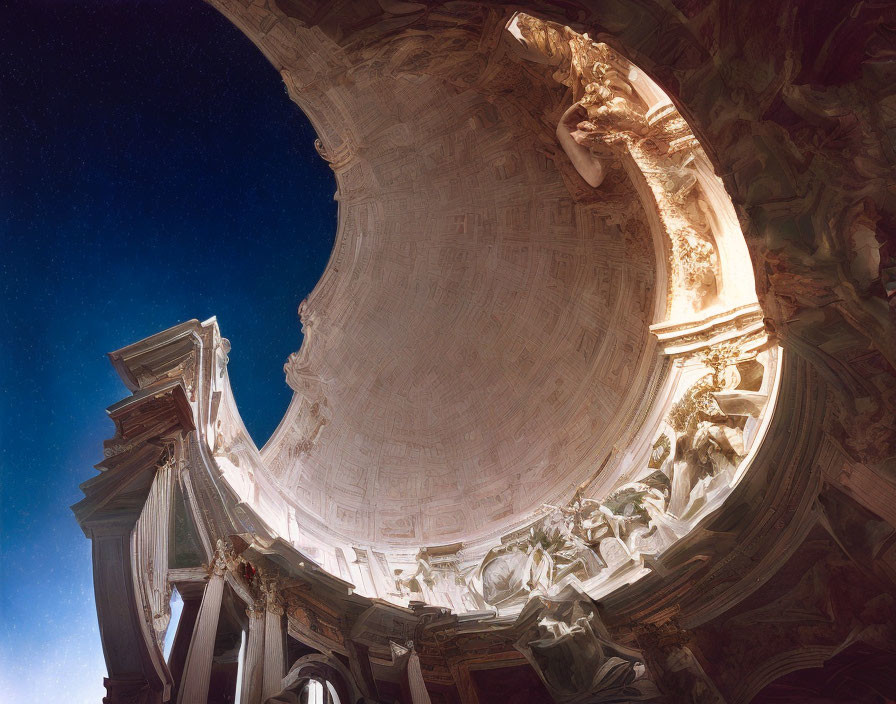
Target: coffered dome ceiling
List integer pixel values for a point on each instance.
(536, 374)
(480, 339)
(539, 318)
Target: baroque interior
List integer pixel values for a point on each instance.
(595, 398)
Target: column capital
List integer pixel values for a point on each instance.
(270, 587)
(669, 651)
(663, 637)
(218, 564)
(256, 609)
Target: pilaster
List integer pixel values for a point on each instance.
(253, 662)
(274, 642)
(150, 428)
(198, 670)
(419, 693)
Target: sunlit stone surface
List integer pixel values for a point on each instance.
(545, 442)
(479, 340)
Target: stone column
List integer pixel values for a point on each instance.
(274, 657)
(109, 515)
(198, 670)
(419, 693)
(253, 659)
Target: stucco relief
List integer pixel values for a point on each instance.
(635, 526)
(610, 120)
(714, 417)
(696, 423)
(692, 465)
(576, 658)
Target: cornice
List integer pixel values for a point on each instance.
(151, 426)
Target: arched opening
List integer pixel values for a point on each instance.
(316, 678)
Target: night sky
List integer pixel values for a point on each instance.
(152, 170)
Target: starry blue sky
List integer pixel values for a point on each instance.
(152, 170)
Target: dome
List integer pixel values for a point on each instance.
(480, 339)
(544, 442)
(538, 296)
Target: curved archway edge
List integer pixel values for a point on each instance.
(794, 117)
